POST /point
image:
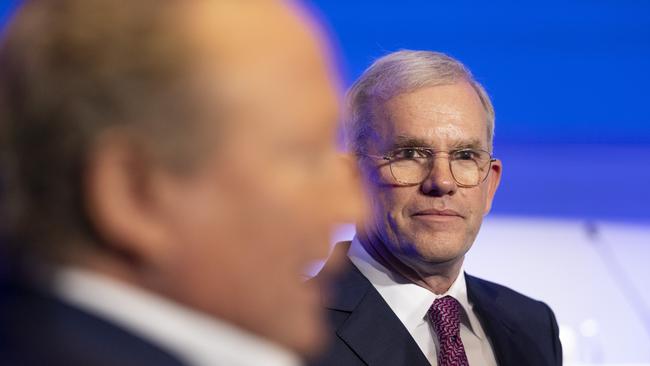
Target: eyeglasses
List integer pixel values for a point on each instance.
(412, 165)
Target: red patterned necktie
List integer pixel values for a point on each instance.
(444, 315)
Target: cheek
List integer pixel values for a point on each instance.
(475, 208)
(483, 197)
(195, 216)
(388, 206)
(282, 222)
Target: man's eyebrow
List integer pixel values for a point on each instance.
(409, 141)
(402, 141)
(468, 144)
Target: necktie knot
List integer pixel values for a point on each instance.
(444, 314)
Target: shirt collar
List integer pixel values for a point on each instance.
(195, 337)
(411, 302)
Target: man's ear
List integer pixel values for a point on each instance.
(493, 180)
(119, 200)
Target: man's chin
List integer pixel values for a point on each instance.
(439, 253)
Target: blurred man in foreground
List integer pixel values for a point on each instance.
(169, 170)
(422, 128)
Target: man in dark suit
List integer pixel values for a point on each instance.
(421, 128)
(160, 164)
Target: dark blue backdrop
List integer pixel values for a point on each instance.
(559, 71)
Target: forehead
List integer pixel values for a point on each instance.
(267, 62)
(443, 116)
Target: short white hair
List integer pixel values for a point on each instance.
(402, 72)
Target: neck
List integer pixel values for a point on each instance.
(436, 277)
(112, 266)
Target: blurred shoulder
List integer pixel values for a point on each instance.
(37, 328)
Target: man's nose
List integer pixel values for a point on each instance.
(440, 181)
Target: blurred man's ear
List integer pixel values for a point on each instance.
(120, 199)
(493, 180)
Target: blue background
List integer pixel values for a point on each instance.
(558, 71)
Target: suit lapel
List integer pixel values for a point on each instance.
(375, 333)
(372, 330)
(508, 340)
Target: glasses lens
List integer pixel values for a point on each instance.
(469, 167)
(465, 173)
(409, 170)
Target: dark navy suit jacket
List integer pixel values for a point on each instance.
(37, 329)
(365, 331)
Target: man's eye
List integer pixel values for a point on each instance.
(410, 154)
(466, 155)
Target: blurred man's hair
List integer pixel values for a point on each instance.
(403, 72)
(71, 70)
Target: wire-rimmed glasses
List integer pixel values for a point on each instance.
(412, 165)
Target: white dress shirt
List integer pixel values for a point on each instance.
(195, 338)
(411, 303)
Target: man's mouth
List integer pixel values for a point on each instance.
(444, 214)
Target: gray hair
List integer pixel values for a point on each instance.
(402, 72)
